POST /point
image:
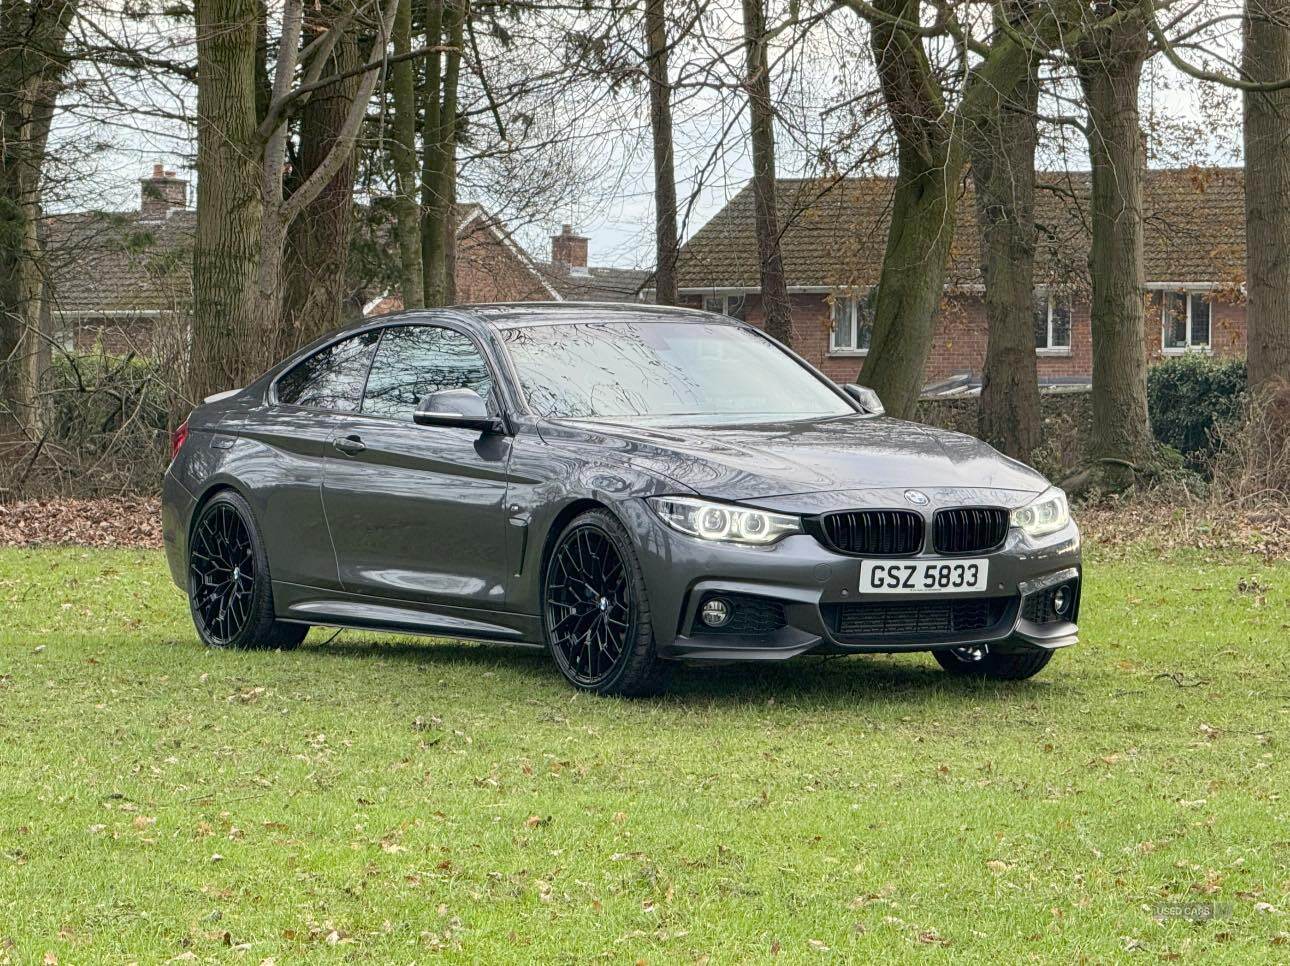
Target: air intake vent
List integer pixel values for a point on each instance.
(920, 619)
(970, 530)
(872, 533)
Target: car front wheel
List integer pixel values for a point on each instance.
(596, 611)
(229, 591)
(980, 662)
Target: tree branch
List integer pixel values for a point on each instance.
(348, 132)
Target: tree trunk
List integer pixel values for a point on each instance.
(403, 154)
(1003, 174)
(660, 116)
(449, 124)
(229, 327)
(1267, 196)
(929, 169)
(318, 238)
(433, 203)
(931, 152)
(774, 290)
(1109, 74)
(32, 62)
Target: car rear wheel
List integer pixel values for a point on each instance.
(979, 662)
(596, 613)
(229, 591)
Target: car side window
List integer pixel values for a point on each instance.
(415, 360)
(331, 378)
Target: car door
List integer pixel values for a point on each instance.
(417, 512)
(283, 466)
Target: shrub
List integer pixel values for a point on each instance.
(104, 428)
(1190, 398)
(1252, 467)
(95, 395)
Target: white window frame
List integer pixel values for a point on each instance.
(1051, 350)
(1204, 348)
(843, 312)
(727, 300)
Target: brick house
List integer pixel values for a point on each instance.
(123, 280)
(493, 267)
(117, 279)
(834, 233)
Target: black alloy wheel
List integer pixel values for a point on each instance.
(222, 568)
(596, 612)
(229, 591)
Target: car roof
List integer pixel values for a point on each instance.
(515, 315)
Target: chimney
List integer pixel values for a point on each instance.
(161, 194)
(569, 251)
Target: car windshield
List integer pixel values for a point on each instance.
(665, 372)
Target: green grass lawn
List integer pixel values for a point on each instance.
(397, 800)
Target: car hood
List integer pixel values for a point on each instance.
(757, 462)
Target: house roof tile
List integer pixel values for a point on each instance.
(834, 232)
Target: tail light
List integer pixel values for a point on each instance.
(177, 438)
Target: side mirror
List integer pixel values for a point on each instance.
(463, 408)
(866, 397)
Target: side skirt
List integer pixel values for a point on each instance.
(314, 605)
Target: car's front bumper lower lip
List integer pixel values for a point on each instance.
(812, 584)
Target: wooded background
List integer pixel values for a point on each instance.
(303, 118)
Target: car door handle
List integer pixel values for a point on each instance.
(349, 445)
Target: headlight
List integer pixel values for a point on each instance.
(721, 521)
(1048, 513)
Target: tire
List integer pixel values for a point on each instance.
(581, 618)
(233, 611)
(1016, 666)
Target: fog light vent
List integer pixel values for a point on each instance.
(716, 612)
(1051, 604)
(738, 614)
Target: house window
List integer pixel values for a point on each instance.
(852, 322)
(1052, 319)
(731, 305)
(1184, 321)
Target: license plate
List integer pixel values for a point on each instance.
(924, 576)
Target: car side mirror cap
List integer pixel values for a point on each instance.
(866, 397)
(462, 408)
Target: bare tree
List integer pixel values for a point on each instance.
(32, 64)
(660, 115)
(403, 152)
(1110, 69)
(931, 143)
(444, 35)
(761, 125)
(318, 238)
(242, 212)
(1003, 174)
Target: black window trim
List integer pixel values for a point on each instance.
(507, 400)
(273, 399)
(422, 324)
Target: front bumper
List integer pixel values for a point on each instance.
(804, 598)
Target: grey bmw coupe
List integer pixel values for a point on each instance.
(627, 486)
